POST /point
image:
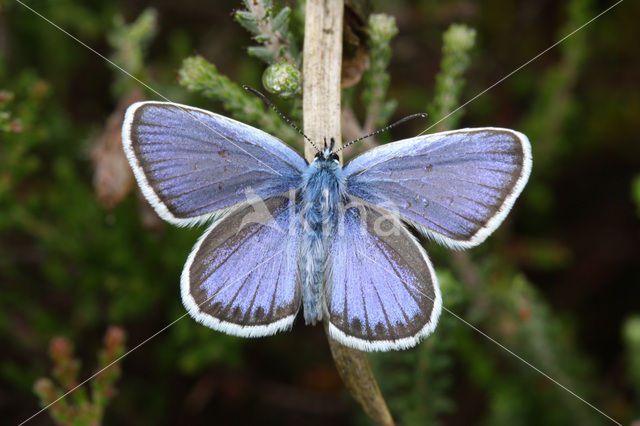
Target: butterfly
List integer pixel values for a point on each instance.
(286, 235)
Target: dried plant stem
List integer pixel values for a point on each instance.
(322, 63)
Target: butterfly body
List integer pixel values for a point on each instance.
(285, 235)
(322, 197)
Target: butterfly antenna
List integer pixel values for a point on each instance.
(384, 129)
(270, 104)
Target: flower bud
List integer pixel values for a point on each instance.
(283, 79)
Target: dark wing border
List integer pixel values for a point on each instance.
(143, 182)
(402, 343)
(210, 321)
(387, 152)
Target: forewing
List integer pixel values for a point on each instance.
(456, 187)
(240, 277)
(191, 163)
(382, 292)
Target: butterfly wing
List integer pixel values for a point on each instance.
(240, 277)
(191, 163)
(382, 292)
(456, 187)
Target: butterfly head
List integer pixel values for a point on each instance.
(327, 154)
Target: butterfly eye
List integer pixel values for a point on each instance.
(334, 157)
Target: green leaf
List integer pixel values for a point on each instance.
(261, 53)
(281, 20)
(246, 19)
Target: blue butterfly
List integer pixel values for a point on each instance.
(334, 240)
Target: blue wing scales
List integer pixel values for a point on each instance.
(191, 163)
(455, 187)
(382, 292)
(240, 277)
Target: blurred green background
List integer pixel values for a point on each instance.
(80, 251)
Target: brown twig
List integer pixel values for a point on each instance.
(322, 63)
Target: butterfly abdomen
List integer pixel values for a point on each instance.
(322, 195)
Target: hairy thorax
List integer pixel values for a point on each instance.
(321, 206)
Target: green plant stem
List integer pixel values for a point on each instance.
(458, 41)
(200, 76)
